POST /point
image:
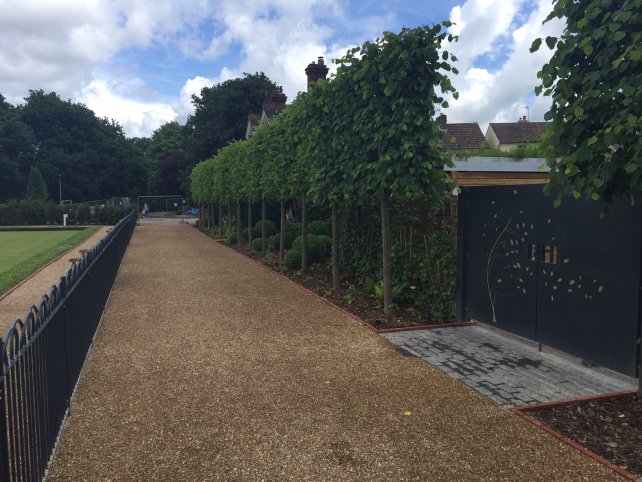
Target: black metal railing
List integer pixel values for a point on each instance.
(43, 356)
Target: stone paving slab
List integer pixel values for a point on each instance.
(509, 372)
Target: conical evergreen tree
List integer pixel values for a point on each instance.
(36, 187)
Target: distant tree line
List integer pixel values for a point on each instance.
(94, 159)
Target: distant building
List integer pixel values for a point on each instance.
(460, 136)
(269, 109)
(276, 102)
(508, 135)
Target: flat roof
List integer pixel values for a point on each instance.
(498, 164)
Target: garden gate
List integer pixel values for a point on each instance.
(562, 277)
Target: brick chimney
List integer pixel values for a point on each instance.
(316, 71)
(442, 120)
(522, 119)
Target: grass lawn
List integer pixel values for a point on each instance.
(23, 252)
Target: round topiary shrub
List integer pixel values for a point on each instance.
(319, 247)
(244, 235)
(320, 226)
(292, 259)
(270, 228)
(257, 244)
(276, 241)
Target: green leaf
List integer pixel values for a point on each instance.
(536, 45)
(550, 42)
(619, 36)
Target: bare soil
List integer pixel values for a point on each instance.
(610, 427)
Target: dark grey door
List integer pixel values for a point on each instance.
(562, 277)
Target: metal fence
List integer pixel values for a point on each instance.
(43, 356)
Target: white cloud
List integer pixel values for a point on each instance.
(70, 47)
(500, 95)
(115, 101)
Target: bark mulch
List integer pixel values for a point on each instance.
(610, 427)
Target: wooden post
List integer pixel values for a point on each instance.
(249, 224)
(282, 240)
(238, 222)
(385, 241)
(304, 236)
(263, 230)
(335, 246)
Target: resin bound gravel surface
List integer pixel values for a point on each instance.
(209, 367)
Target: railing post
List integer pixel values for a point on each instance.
(4, 449)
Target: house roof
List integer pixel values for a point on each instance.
(272, 108)
(253, 118)
(467, 135)
(498, 164)
(518, 132)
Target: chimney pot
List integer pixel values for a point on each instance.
(321, 61)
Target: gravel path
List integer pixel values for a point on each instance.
(208, 367)
(15, 304)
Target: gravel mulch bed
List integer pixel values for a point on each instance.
(207, 367)
(610, 427)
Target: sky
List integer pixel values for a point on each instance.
(140, 61)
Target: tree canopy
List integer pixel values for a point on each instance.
(220, 112)
(366, 134)
(595, 80)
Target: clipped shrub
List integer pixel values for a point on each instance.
(231, 236)
(319, 247)
(8, 214)
(276, 241)
(257, 244)
(270, 228)
(31, 212)
(244, 234)
(293, 227)
(320, 226)
(292, 259)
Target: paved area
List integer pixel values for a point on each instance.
(209, 367)
(508, 371)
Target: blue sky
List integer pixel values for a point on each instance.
(139, 61)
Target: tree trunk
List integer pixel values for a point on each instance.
(200, 217)
(282, 240)
(238, 222)
(249, 224)
(263, 230)
(335, 246)
(220, 220)
(385, 241)
(229, 216)
(304, 236)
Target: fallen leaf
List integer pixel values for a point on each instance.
(407, 414)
